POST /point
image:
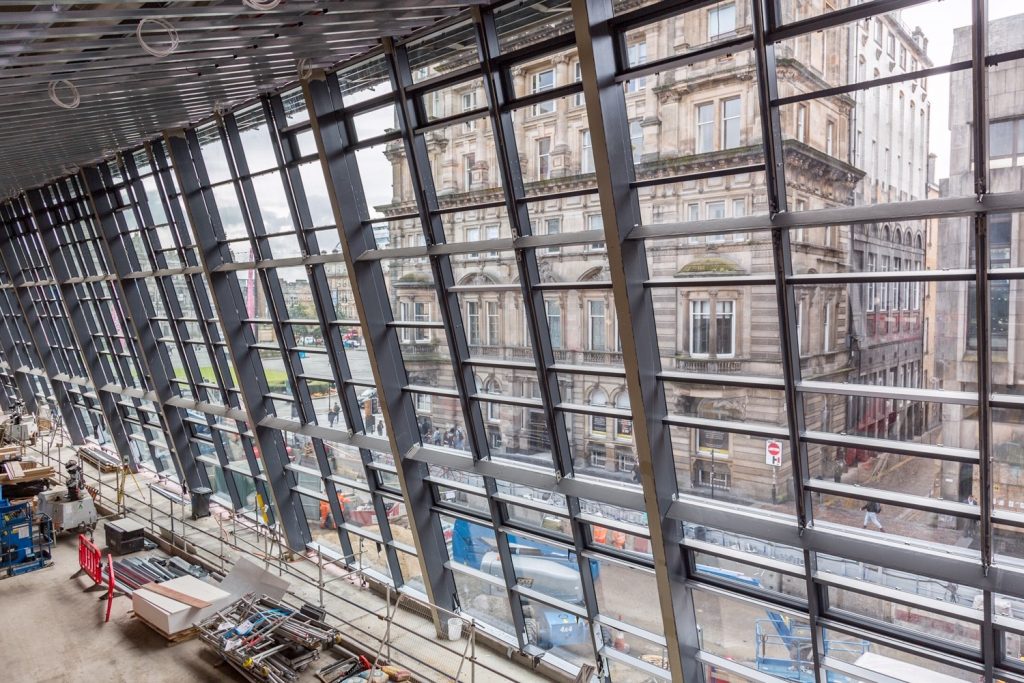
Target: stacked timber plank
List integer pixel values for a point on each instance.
(9, 453)
(24, 478)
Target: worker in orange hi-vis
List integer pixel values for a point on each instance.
(326, 521)
(325, 515)
(600, 535)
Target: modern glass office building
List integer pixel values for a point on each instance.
(674, 339)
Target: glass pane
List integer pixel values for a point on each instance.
(690, 31)
(273, 203)
(526, 20)
(255, 136)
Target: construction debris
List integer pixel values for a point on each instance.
(133, 573)
(265, 640)
(103, 459)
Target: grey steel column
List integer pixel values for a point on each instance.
(627, 260)
(34, 327)
(16, 331)
(105, 205)
(371, 298)
(167, 197)
(983, 308)
(196, 290)
(230, 305)
(278, 313)
(449, 309)
(337, 358)
(13, 358)
(534, 306)
(764, 17)
(47, 225)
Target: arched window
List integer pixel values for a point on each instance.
(623, 428)
(598, 423)
(886, 233)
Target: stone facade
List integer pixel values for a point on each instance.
(891, 143)
(697, 118)
(956, 358)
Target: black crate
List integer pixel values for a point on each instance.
(124, 536)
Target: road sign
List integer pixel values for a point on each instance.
(773, 453)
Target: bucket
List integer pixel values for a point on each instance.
(454, 628)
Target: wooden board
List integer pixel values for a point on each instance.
(13, 470)
(27, 474)
(185, 598)
(179, 637)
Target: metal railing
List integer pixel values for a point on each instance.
(416, 655)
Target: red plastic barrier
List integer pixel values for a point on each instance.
(90, 559)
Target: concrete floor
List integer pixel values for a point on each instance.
(75, 645)
(53, 631)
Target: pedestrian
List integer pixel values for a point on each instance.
(459, 439)
(331, 417)
(972, 524)
(436, 437)
(871, 510)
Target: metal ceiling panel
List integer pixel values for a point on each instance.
(226, 53)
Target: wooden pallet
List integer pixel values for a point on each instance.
(179, 637)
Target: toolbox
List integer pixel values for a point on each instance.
(124, 536)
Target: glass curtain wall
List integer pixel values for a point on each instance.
(675, 339)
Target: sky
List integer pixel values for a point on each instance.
(938, 20)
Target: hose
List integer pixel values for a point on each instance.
(172, 36)
(55, 98)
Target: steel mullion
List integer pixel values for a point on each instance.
(345, 191)
(299, 209)
(979, 131)
(269, 282)
(13, 356)
(771, 129)
(96, 182)
(502, 104)
(162, 175)
(606, 112)
(47, 226)
(33, 326)
(414, 139)
(227, 298)
(172, 307)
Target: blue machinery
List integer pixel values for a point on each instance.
(784, 649)
(25, 539)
